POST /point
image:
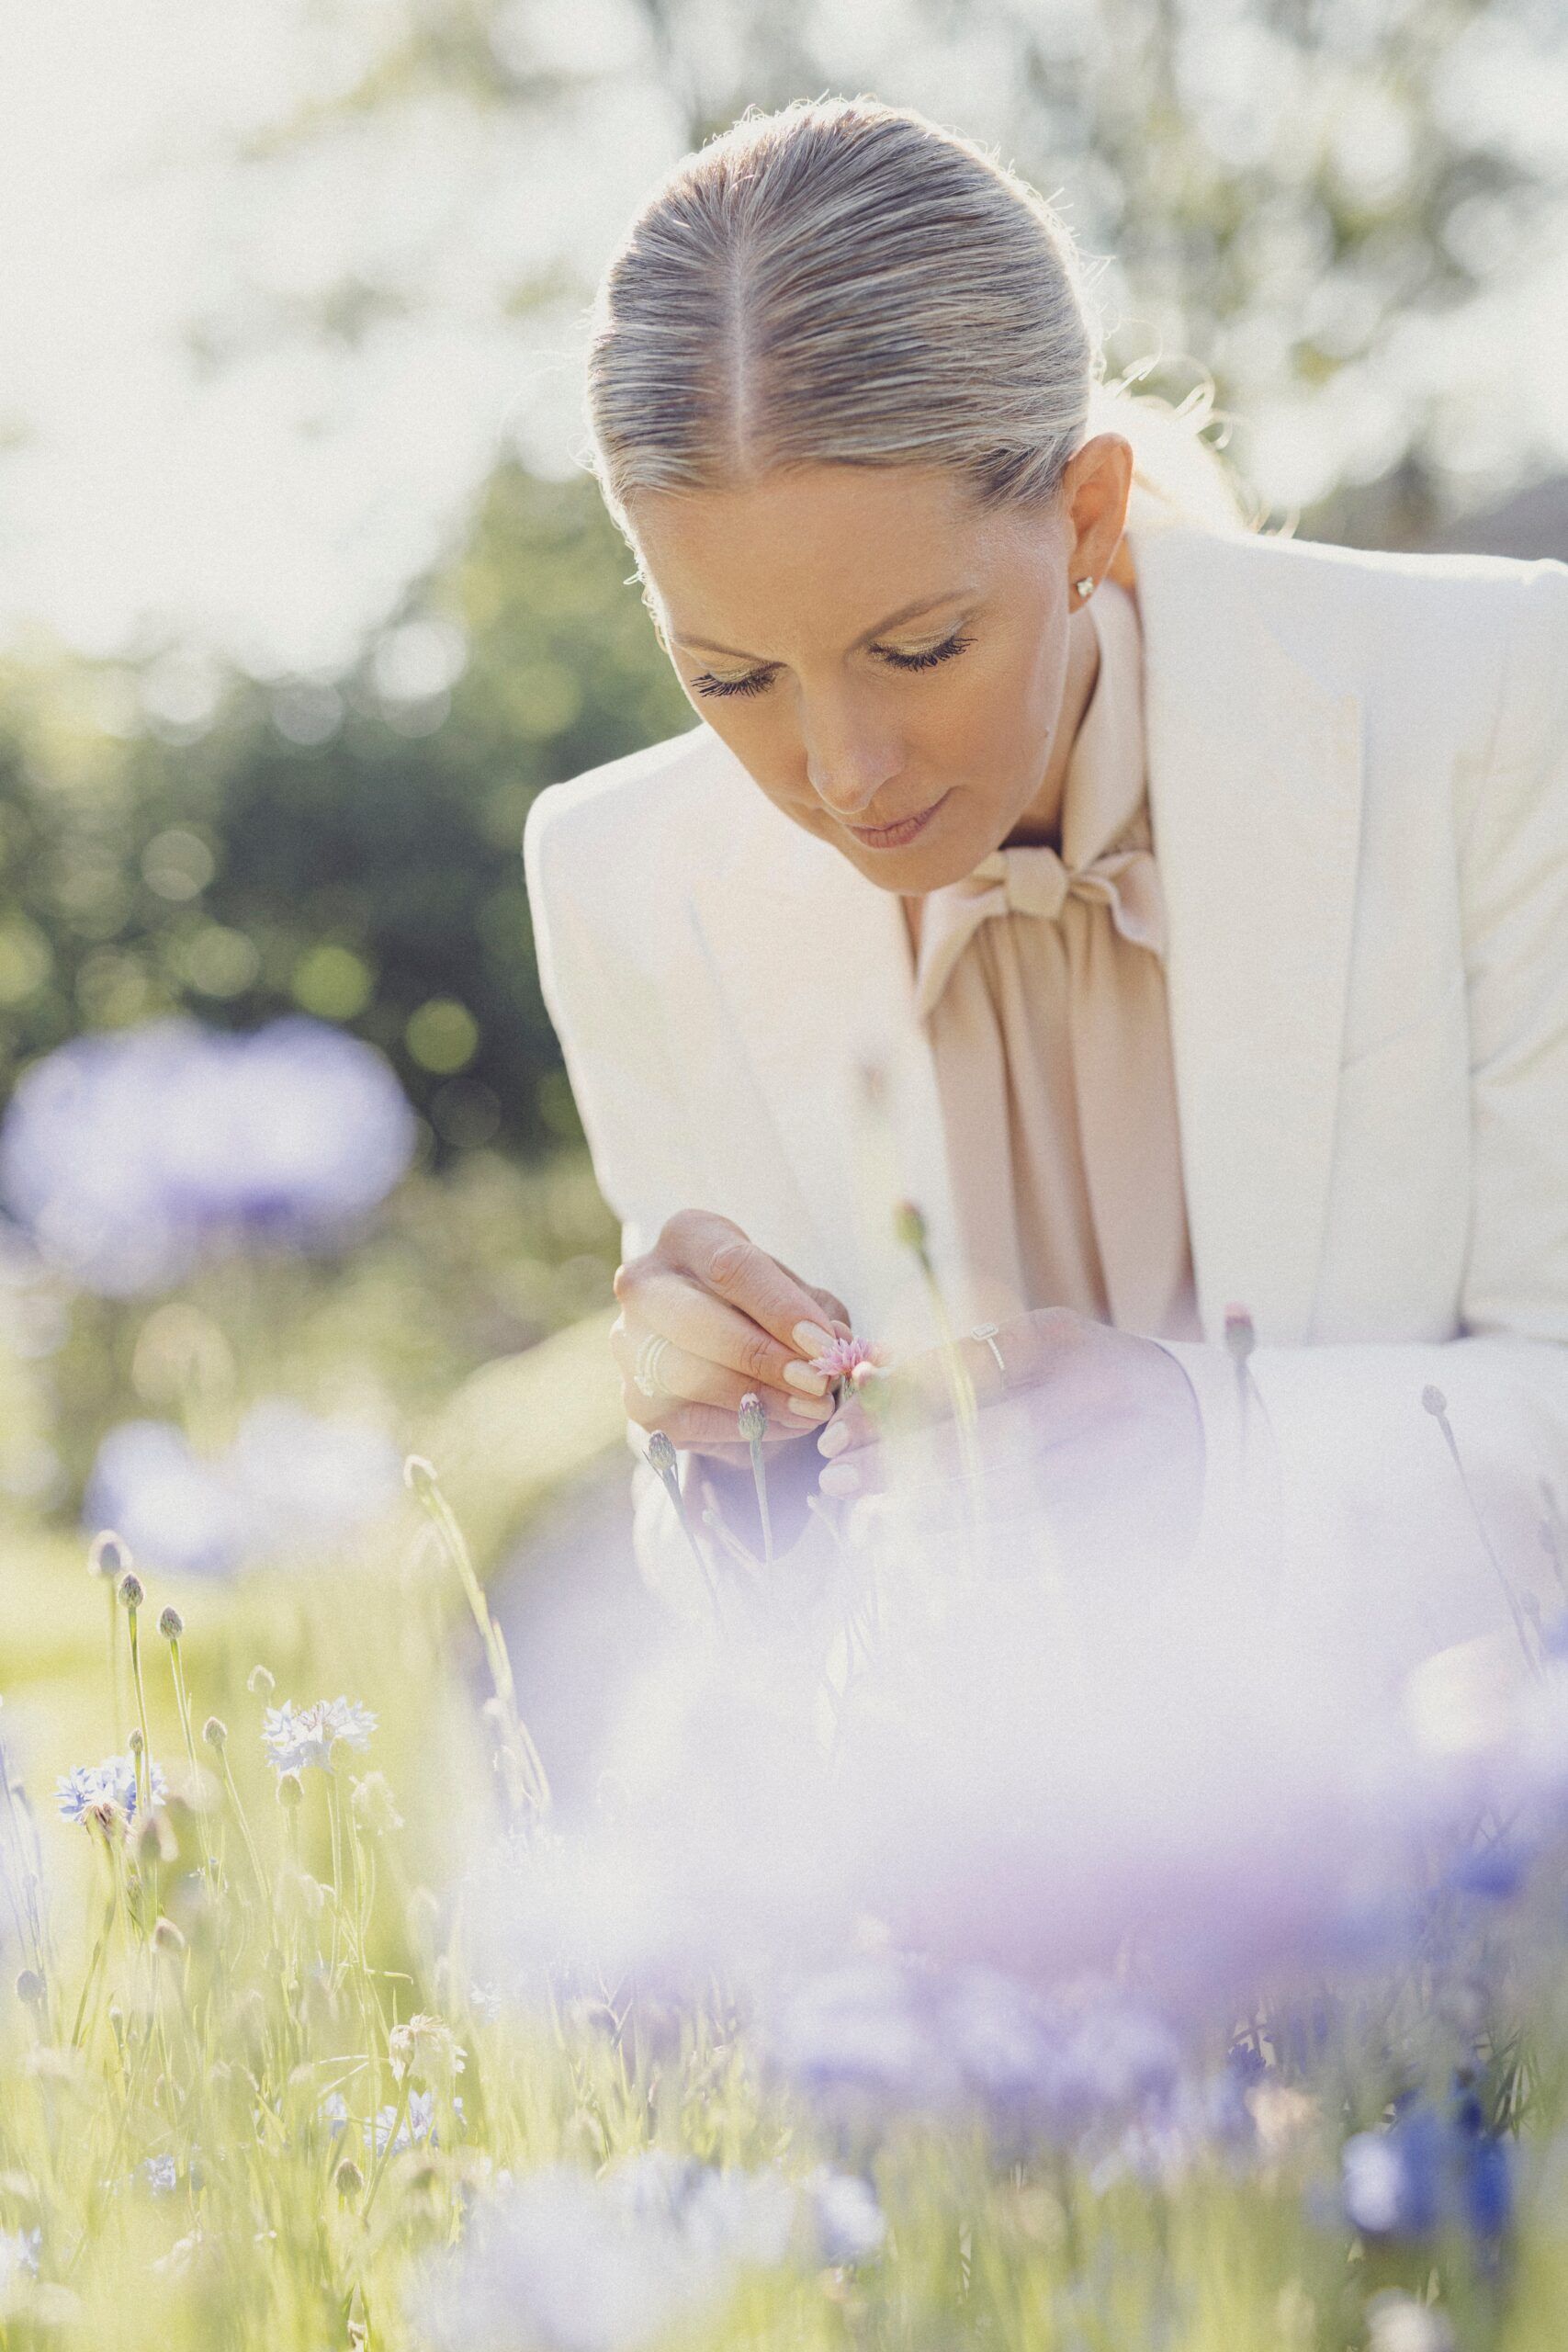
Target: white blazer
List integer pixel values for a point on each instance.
(1358, 793)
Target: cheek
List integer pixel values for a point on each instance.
(768, 749)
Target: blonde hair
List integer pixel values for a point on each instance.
(846, 282)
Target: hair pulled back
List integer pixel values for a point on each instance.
(845, 282)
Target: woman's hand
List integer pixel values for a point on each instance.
(1106, 1421)
(735, 1320)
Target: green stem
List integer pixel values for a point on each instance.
(760, 1480)
(144, 1761)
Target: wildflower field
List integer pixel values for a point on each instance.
(940, 1950)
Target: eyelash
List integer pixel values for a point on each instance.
(756, 681)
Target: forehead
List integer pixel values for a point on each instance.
(821, 552)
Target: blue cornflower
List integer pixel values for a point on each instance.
(1426, 2170)
(19, 2251)
(418, 2126)
(92, 1787)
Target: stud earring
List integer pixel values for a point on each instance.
(1084, 587)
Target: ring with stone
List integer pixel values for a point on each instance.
(986, 1334)
(650, 1356)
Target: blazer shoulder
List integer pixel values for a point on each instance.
(1391, 623)
(623, 805)
(623, 830)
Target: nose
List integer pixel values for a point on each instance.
(848, 761)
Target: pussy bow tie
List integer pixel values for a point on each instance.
(1035, 881)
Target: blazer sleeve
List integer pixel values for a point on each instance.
(1346, 1460)
(606, 1013)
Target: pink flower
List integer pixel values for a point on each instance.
(849, 1360)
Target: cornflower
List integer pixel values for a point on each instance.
(297, 1737)
(105, 1790)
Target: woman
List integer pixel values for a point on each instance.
(1175, 915)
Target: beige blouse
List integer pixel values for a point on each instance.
(1041, 978)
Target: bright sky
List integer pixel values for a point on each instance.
(270, 501)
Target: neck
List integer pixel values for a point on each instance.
(1041, 822)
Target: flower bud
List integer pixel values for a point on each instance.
(348, 2180)
(132, 1592)
(373, 1802)
(215, 1731)
(1435, 1401)
(1240, 1336)
(260, 1683)
(30, 1988)
(171, 1625)
(152, 1840)
(290, 1791)
(751, 1420)
(908, 1226)
(661, 1455)
(418, 1476)
(166, 1937)
(134, 1740)
(107, 1556)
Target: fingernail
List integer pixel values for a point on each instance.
(834, 1439)
(811, 1409)
(839, 1479)
(811, 1338)
(800, 1376)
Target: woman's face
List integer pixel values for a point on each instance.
(899, 673)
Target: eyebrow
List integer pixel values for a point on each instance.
(904, 613)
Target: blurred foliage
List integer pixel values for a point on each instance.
(1283, 189)
(351, 847)
(472, 1266)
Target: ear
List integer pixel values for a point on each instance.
(1100, 488)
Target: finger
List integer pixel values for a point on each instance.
(730, 1265)
(672, 1303)
(696, 1380)
(986, 1367)
(862, 1473)
(835, 1313)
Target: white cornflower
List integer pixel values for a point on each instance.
(425, 2049)
(295, 1737)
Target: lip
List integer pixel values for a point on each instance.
(896, 836)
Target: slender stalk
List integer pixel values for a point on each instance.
(182, 1704)
(1437, 1405)
(661, 1459)
(534, 1781)
(130, 1593)
(752, 1423)
(910, 1228)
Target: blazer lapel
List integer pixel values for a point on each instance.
(1254, 788)
(810, 966)
(1255, 783)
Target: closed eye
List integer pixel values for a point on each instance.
(757, 682)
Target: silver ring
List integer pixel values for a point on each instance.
(986, 1334)
(650, 1356)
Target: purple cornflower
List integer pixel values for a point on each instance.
(295, 1737)
(846, 2223)
(130, 1155)
(101, 1789)
(565, 2264)
(292, 1482)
